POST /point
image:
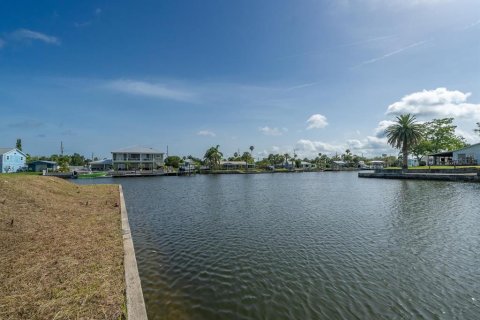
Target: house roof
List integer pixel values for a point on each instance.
(5, 150)
(43, 161)
(137, 149)
(473, 145)
(104, 161)
(235, 163)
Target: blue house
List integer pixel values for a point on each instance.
(11, 160)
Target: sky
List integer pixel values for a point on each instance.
(303, 76)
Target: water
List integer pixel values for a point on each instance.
(305, 246)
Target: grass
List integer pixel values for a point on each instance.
(61, 250)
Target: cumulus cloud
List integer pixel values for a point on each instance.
(317, 121)
(25, 34)
(305, 146)
(382, 126)
(156, 90)
(438, 103)
(272, 131)
(206, 133)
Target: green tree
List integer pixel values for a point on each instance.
(77, 160)
(405, 133)
(18, 144)
(478, 129)
(173, 161)
(441, 134)
(213, 156)
(247, 157)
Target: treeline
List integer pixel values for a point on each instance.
(213, 156)
(67, 160)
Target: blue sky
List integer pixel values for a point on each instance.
(311, 76)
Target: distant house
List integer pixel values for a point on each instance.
(101, 165)
(377, 164)
(137, 158)
(338, 165)
(235, 165)
(11, 160)
(307, 165)
(40, 165)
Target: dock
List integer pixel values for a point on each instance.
(472, 175)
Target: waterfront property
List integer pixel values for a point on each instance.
(236, 165)
(101, 165)
(40, 165)
(11, 160)
(307, 165)
(468, 156)
(137, 158)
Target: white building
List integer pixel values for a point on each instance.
(137, 158)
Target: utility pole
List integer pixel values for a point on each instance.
(61, 148)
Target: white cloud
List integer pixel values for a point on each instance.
(382, 126)
(317, 121)
(309, 147)
(438, 103)
(25, 34)
(272, 131)
(206, 133)
(156, 90)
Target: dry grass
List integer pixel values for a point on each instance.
(61, 250)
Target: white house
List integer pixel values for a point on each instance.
(307, 165)
(137, 158)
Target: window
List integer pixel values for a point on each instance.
(8, 157)
(21, 158)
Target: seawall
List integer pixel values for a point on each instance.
(135, 303)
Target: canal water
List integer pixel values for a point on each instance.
(305, 246)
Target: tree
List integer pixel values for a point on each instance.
(77, 160)
(18, 145)
(247, 157)
(406, 132)
(478, 129)
(286, 156)
(213, 156)
(441, 133)
(438, 135)
(173, 161)
(251, 149)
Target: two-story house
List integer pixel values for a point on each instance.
(137, 158)
(11, 160)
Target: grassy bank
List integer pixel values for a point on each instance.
(61, 250)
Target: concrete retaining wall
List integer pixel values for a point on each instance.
(135, 304)
(471, 177)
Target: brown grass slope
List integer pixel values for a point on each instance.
(61, 250)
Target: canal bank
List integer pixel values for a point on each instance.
(467, 175)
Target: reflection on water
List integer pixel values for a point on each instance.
(305, 246)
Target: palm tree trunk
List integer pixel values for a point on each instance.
(405, 156)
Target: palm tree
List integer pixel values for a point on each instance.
(477, 130)
(405, 133)
(213, 156)
(286, 157)
(251, 149)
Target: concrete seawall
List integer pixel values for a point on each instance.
(135, 303)
(468, 177)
